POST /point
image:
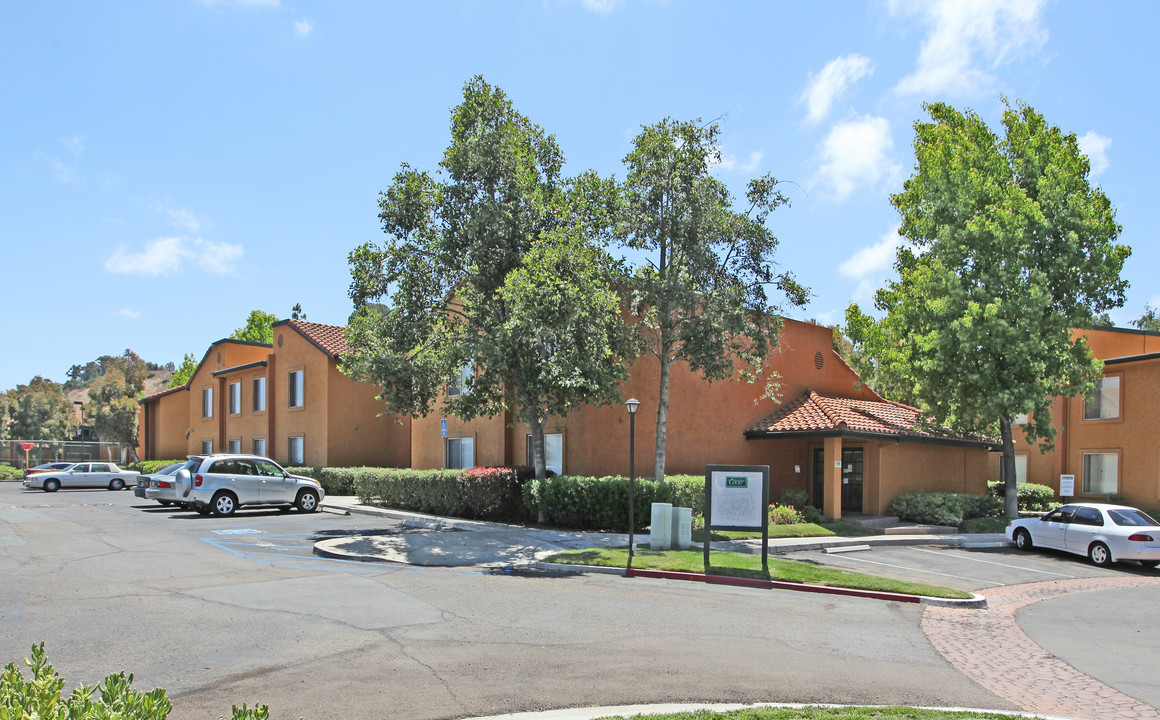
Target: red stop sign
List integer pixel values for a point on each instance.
(26, 446)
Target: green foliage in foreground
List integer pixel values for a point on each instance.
(41, 697)
(831, 713)
(7, 472)
(744, 565)
(793, 530)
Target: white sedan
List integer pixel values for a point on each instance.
(1104, 533)
(82, 475)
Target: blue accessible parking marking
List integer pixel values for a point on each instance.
(237, 531)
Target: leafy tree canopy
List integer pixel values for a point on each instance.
(112, 408)
(1010, 249)
(259, 328)
(40, 411)
(184, 371)
(1149, 320)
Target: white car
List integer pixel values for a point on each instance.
(1104, 533)
(82, 475)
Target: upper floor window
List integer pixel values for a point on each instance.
(461, 385)
(235, 398)
(207, 402)
(295, 388)
(1104, 401)
(260, 394)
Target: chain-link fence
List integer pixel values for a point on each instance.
(30, 453)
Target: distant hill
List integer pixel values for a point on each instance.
(157, 381)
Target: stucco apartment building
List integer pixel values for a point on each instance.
(287, 401)
(1110, 440)
(828, 434)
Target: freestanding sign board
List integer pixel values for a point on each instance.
(737, 498)
(1066, 485)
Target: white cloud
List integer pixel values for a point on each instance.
(168, 255)
(961, 34)
(731, 163)
(74, 144)
(1095, 146)
(248, 3)
(184, 218)
(824, 89)
(601, 6)
(303, 27)
(132, 314)
(871, 265)
(856, 153)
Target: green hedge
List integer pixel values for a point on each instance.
(7, 472)
(334, 480)
(935, 508)
(148, 467)
(1031, 497)
(602, 503)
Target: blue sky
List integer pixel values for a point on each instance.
(166, 167)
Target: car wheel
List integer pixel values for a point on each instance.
(116, 484)
(224, 504)
(1099, 554)
(1150, 563)
(51, 485)
(1023, 540)
(307, 501)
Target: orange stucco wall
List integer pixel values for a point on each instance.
(909, 467)
(220, 356)
(309, 421)
(356, 435)
(155, 417)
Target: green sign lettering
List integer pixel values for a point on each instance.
(736, 482)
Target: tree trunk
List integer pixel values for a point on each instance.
(662, 418)
(1007, 470)
(538, 460)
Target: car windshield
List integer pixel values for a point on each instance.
(1131, 517)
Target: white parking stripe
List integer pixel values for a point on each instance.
(992, 562)
(920, 570)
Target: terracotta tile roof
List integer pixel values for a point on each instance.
(163, 393)
(330, 339)
(814, 412)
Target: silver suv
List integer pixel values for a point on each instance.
(221, 484)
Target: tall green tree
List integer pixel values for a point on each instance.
(259, 328)
(41, 411)
(184, 371)
(112, 408)
(1010, 249)
(489, 270)
(1150, 320)
(704, 295)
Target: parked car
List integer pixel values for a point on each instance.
(221, 483)
(82, 475)
(47, 467)
(1104, 533)
(159, 485)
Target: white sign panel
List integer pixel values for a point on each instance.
(736, 499)
(1066, 485)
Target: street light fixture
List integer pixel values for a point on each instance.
(633, 405)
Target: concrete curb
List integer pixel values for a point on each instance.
(628, 711)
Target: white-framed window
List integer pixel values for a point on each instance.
(234, 446)
(207, 402)
(295, 388)
(1104, 401)
(553, 452)
(260, 394)
(1021, 468)
(1101, 473)
(259, 446)
(235, 399)
(462, 384)
(459, 453)
(296, 450)
(206, 447)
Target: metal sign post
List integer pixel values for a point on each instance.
(737, 498)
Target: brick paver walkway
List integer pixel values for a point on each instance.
(989, 647)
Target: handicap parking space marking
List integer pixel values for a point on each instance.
(237, 531)
(992, 562)
(920, 570)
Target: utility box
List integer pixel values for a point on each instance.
(661, 534)
(682, 528)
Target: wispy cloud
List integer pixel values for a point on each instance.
(1095, 146)
(63, 170)
(179, 217)
(303, 27)
(871, 265)
(856, 153)
(601, 6)
(74, 144)
(169, 255)
(824, 89)
(962, 35)
(131, 314)
(750, 165)
(247, 3)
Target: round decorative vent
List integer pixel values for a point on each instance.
(819, 360)
(219, 357)
(279, 339)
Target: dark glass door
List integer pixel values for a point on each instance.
(851, 479)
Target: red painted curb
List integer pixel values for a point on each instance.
(771, 584)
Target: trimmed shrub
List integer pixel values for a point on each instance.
(795, 497)
(148, 467)
(428, 491)
(812, 514)
(686, 491)
(7, 472)
(593, 503)
(334, 480)
(784, 515)
(944, 508)
(490, 493)
(1031, 497)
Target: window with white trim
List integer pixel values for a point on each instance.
(259, 446)
(1101, 473)
(459, 453)
(259, 402)
(1104, 401)
(296, 450)
(207, 402)
(235, 399)
(553, 452)
(462, 384)
(295, 388)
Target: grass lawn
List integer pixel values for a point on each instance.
(839, 713)
(793, 530)
(745, 565)
(985, 525)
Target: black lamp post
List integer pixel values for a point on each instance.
(633, 405)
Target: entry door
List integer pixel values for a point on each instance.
(851, 479)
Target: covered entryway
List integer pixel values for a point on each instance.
(852, 466)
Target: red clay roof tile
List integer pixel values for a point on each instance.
(331, 339)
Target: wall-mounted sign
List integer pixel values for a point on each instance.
(443, 427)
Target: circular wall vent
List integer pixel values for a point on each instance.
(819, 360)
(279, 339)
